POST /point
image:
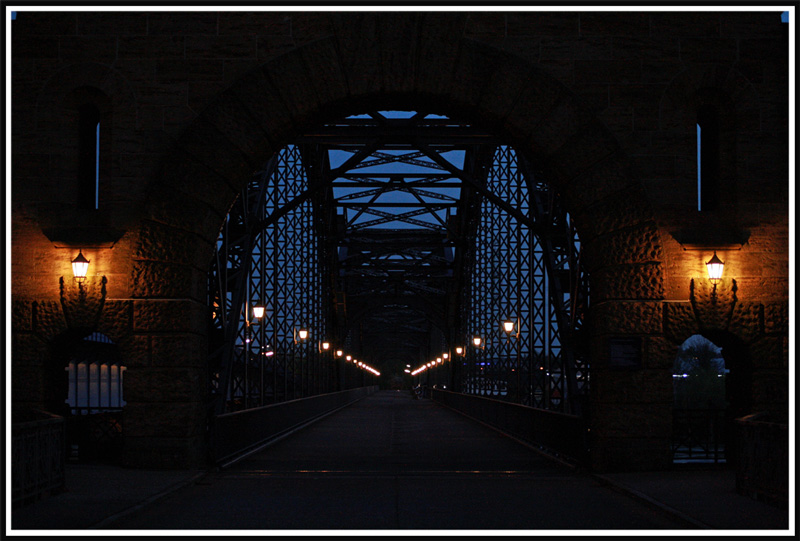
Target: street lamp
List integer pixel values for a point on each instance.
(258, 312)
(511, 327)
(477, 341)
(459, 350)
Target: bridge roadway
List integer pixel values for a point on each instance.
(390, 462)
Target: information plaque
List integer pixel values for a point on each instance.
(625, 352)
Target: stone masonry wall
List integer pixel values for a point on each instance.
(605, 103)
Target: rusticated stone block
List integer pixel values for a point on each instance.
(399, 35)
(175, 350)
(164, 453)
(100, 49)
(27, 350)
(638, 244)
(660, 353)
(627, 317)
(182, 420)
(615, 24)
(188, 176)
(182, 23)
(83, 303)
(592, 144)
(566, 25)
(767, 352)
(628, 282)
(776, 318)
(27, 387)
(746, 320)
(713, 307)
(171, 385)
(116, 319)
(770, 389)
(440, 34)
(48, 319)
(504, 87)
(158, 242)
(179, 315)
(358, 38)
(294, 82)
(679, 321)
(207, 145)
(540, 95)
(633, 387)
(135, 350)
(596, 183)
(236, 123)
(613, 211)
(474, 69)
(628, 420)
(560, 123)
(163, 280)
(21, 316)
(322, 58)
(631, 454)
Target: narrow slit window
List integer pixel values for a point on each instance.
(97, 168)
(708, 158)
(89, 157)
(699, 169)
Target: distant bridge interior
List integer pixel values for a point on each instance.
(401, 244)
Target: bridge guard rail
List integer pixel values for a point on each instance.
(234, 434)
(559, 434)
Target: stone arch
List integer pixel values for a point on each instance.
(266, 108)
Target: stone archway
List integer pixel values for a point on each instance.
(266, 108)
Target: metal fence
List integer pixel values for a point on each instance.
(698, 436)
(38, 455)
(560, 434)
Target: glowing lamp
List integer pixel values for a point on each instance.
(714, 266)
(477, 341)
(302, 334)
(258, 312)
(79, 267)
(508, 326)
(459, 350)
(339, 352)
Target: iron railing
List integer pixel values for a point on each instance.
(37, 454)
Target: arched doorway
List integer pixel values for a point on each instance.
(87, 389)
(711, 388)
(259, 114)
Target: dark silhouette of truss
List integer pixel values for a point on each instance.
(395, 237)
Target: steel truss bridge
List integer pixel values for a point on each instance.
(396, 238)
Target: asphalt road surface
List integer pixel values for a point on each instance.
(389, 462)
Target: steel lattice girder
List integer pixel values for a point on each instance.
(440, 185)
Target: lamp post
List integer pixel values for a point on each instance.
(300, 336)
(511, 328)
(258, 314)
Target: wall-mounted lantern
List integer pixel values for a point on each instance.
(715, 267)
(79, 267)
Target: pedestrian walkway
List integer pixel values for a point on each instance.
(388, 463)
